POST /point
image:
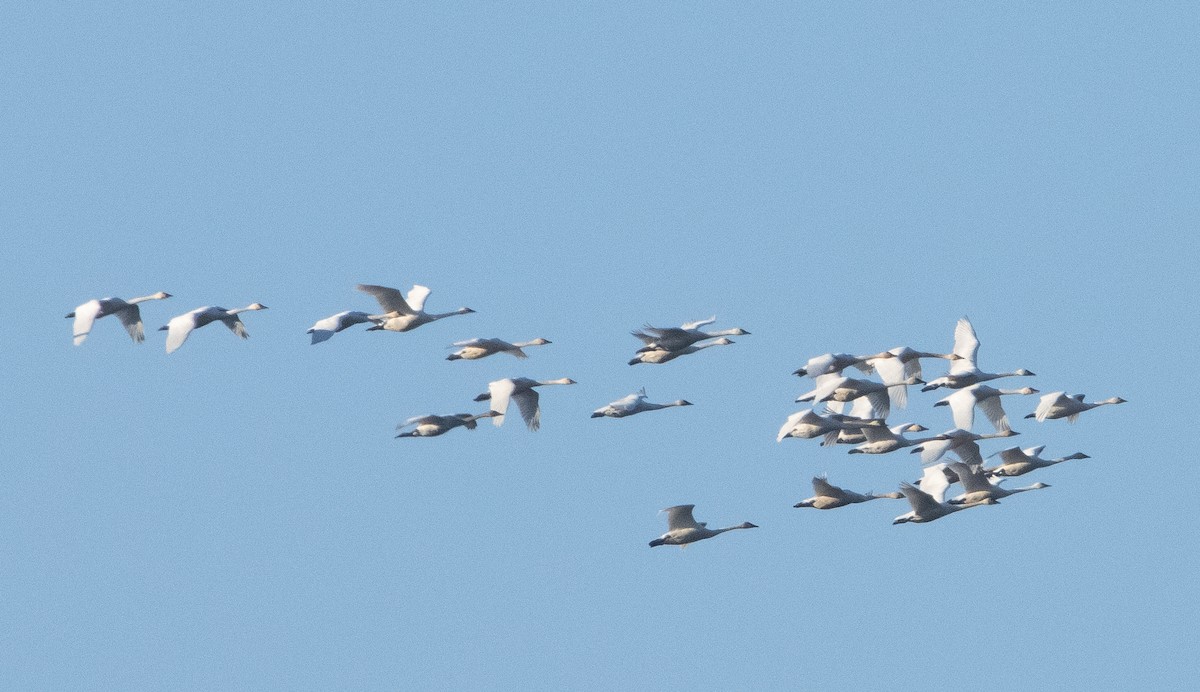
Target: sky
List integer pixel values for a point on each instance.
(238, 514)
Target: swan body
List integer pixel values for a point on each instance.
(978, 488)
(1018, 462)
(633, 404)
(181, 326)
(126, 310)
(432, 426)
(927, 501)
(659, 356)
(828, 496)
(676, 338)
(963, 402)
(520, 390)
(963, 371)
(474, 349)
(401, 314)
(1062, 405)
(682, 529)
(881, 440)
(835, 363)
(324, 329)
(808, 424)
(961, 442)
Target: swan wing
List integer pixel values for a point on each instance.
(131, 319)
(699, 323)
(934, 482)
(994, 411)
(1048, 403)
(968, 451)
(178, 330)
(85, 317)
(680, 517)
(966, 347)
(500, 391)
(922, 502)
(970, 476)
(527, 404)
(416, 297)
(823, 488)
(962, 405)
(235, 325)
(1013, 455)
(389, 299)
(877, 433)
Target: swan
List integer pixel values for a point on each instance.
(845, 389)
(827, 496)
(927, 501)
(881, 440)
(324, 329)
(181, 326)
(520, 390)
(474, 349)
(1062, 405)
(634, 403)
(662, 356)
(1018, 462)
(676, 338)
(855, 436)
(964, 371)
(978, 488)
(401, 315)
(905, 363)
(126, 310)
(808, 424)
(961, 442)
(835, 363)
(962, 404)
(683, 529)
(432, 426)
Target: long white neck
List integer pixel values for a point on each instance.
(142, 299)
(439, 315)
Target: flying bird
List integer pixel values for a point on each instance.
(520, 390)
(682, 529)
(402, 314)
(126, 310)
(181, 326)
(633, 404)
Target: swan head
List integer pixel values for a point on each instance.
(463, 311)
(1079, 455)
(1023, 372)
(256, 306)
(160, 295)
(683, 402)
(1039, 486)
(738, 331)
(539, 342)
(914, 428)
(1027, 390)
(798, 373)
(747, 525)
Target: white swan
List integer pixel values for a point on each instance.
(324, 329)
(520, 390)
(808, 424)
(1062, 405)
(181, 326)
(632, 404)
(961, 442)
(881, 440)
(977, 488)
(835, 363)
(845, 389)
(927, 501)
(660, 356)
(474, 349)
(683, 529)
(964, 371)
(962, 405)
(432, 426)
(905, 363)
(126, 310)
(401, 315)
(676, 338)
(828, 496)
(1015, 461)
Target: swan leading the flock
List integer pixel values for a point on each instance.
(126, 310)
(682, 529)
(401, 314)
(632, 404)
(181, 326)
(324, 329)
(520, 390)
(829, 496)
(963, 371)
(432, 426)
(1057, 405)
(474, 349)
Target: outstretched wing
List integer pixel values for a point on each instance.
(680, 517)
(966, 347)
(500, 391)
(85, 317)
(699, 323)
(131, 319)
(389, 299)
(416, 297)
(527, 403)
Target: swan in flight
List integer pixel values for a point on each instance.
(962, 404)
(905, 363)
(520, 390)
(676, 338)
(827, 496)
(978, 488)
(324, 329)
(835, 363)
(683, 529)
(474, 349)
(961, 442)
(927, 501)
(843, 389)
(964, 372)
(1062, 405)
(1015, 461)
(659, 356)
(432, 426)
(881, 440)
(634, 403)
(808, 424)
(181, 326)
(401, 314)
(126, 310)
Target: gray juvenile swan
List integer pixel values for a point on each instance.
(828, 496)
(682, 529)
(432, 426)
(474, 349)
(633, 404)
(676, 338)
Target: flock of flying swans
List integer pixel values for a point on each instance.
(868, 402)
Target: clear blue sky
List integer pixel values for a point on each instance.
(238, 515)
